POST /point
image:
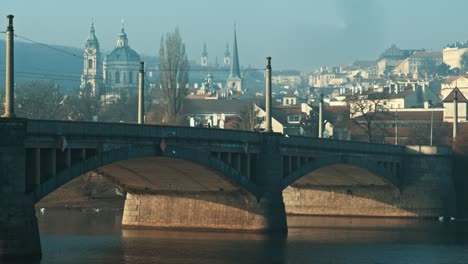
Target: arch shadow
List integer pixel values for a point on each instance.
(375, 168)
(199, 157)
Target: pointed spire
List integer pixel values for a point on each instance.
(227, 53)
(122, 41)
(92, 41)
(235, 69)
(205, 52)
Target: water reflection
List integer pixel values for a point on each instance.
(90, 237)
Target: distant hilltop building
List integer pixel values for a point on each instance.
(452, 54)
(391, 58)
(117, 74)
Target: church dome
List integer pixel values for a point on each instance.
(123, 54)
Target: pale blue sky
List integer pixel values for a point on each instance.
(298, 34)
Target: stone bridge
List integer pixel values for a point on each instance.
(179, 177)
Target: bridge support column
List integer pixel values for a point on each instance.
(270, 184)
(19, 234)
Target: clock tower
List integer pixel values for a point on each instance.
(91, 79)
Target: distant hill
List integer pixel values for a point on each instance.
(35, 61)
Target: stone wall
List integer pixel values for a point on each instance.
(427, 191)
(205, 211)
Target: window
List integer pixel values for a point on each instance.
(130, 77)
(294, 118)
(117, 77)
(90, 64)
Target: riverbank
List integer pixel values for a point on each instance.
(86, 192)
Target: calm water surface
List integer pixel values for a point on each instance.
(88, 237)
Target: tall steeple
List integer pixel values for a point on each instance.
(122, 41)
(235, 69)
(234, 81)
(92, 41)
(204, 57)
(227, 56)
(91, 79)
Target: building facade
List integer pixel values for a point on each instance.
(117, 74)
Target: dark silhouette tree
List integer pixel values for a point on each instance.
(173, 74)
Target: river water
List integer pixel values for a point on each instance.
(69, 236)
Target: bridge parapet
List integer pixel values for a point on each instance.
(341, 145)
(91, 129)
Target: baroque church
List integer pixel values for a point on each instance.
(114, 76)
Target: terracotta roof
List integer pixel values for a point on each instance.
(401, 94)
(451, 95)
(427, 54)
(281, 113)
(451, 79)
(410, 116)
(210, 106)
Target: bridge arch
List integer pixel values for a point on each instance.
(388, 175)
(196, 156)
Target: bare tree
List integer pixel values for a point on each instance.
(85, 107)
(173, 74)
(39, 99)
(364, 111)
(248, 118)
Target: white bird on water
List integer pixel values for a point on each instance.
(441, 218)
(42, 210)
(96, 210)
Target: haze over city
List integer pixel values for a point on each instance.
(233, 131)
(299, 34)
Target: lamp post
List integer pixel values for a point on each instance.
(9, 78)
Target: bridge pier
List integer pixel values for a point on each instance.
(269, 183)
(19, 234)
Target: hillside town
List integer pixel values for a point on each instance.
(405, 96)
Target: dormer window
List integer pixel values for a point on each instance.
(90, 64)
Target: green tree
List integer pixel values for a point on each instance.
(173, 74)
(443, 69)
(464, 62)
(310, 123)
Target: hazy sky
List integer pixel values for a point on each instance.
(299, 34)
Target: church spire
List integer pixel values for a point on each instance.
(205, 52)
(235, 69)
(227, 53)
(122, 41)
(92, 41)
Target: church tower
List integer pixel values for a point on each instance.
(234, 81)
(227, 56)
(91, 79)
(204, 57)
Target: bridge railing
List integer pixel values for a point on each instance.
(90, 129)
(341, 145)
